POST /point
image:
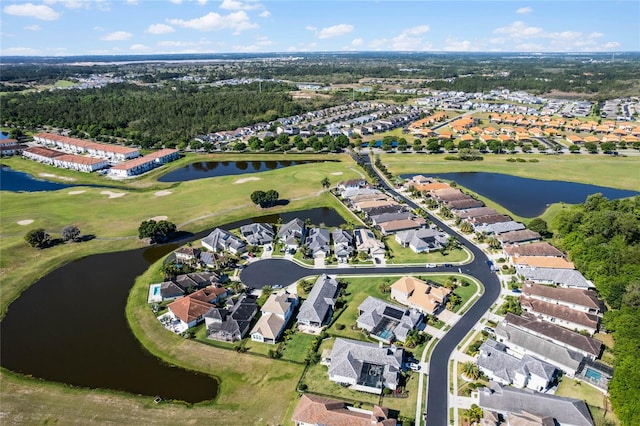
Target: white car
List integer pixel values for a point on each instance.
(414, 367)
(431, 265)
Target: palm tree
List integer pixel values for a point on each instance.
(471, 370)
(474, 414)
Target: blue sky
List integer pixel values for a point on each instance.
(98, 27)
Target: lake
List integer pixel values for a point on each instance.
(15, 181)
(70, 326)
(207, 169)
(528, 197)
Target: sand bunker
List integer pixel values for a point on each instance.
(112, 194)
(249, 179)
(336, 173)
(51, 175)
(162, 193)
(76, 192)
(25, 222)
(158, 218)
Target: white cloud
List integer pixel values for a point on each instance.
(117, 36)
(311, 28)
(452, 44)
(259, 46)
(524, 10)
(408, 39)
(98, 28)
(239, 5)
(519, 30)
(159, 29)
(20, 51)
(302, 47)
(139, 48)
(356, 42)
(265, 14)
(42, 12)
(237, 21)
(33, 27)
(335, 31)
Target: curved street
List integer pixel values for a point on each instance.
(281, 272)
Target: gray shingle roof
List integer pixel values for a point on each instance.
(566, 359)
(501, 227)
(424, 238)
(348, 358)
(292, 229)
(373, 311)
(318, 240)
(563, 277)
(494, 358)
(257, 233)
(221, 240)
(504, 399)
(320, 300)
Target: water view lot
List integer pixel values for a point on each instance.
(83, 330)
(207, 169)
(527, 197)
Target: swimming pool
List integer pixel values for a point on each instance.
(593, 374)
(156, 290)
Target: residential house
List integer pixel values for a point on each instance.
(507, 400)
(506, 369)
(500, 228)
(367, 242)
(518, 237)
(187, 255)
(367, 205)
(316, 311)
(543, 262)
(394, 226)
(291, 234)
(315, 410)
(387, 322)
(276, 312)
(317, 242)
(220, 240)
(465, 203)
(520, 343)
(587, 346)
(573, 298)
(351, 184)
(342, 245)
(561, 315)
(10, 147)
(419, 295)
(474, 212)
(366, 367)
(257, 234)
(190, 310)
(424, 240)
(230, 324)
(489, 219)
(540, 249)
(388, 217)
(170, 291)
(195, 280)
(561, 277)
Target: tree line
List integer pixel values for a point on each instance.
(602, 238)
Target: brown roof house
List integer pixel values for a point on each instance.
(419, 295)
(315, 410)
(561, 315)
(573, 298)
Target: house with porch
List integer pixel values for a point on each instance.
(276, 312)
(417, 294)
(366, 367)
(316, 311)
(220, 240)
(387, 322)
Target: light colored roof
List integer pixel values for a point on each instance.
(566, 277)
(321, 298)
(402, 224)
(420, 293)
(348, 358)
(544, 262)
(269, 325)
(316, 410)
(279, 303)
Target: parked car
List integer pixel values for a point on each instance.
(516, 290)
(447, 265)
(489, 330)
(414, 367)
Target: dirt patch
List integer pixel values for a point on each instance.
(112, 194)
(162, 193)
(51, 175)
(77, 192)
(158, 218)
(25, 222)
(249, 179)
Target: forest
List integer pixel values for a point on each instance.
(602, 238)
(152, 116)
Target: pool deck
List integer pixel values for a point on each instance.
(154, 295)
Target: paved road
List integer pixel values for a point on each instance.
(283, 272)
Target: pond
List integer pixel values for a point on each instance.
(528, 197)
(15, 181)
(207, 169)
(70, 326)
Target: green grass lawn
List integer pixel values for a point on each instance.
(401, 255)
(598, 403)
(604, 170)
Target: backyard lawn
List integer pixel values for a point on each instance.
(598, 403)
(401, 255)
